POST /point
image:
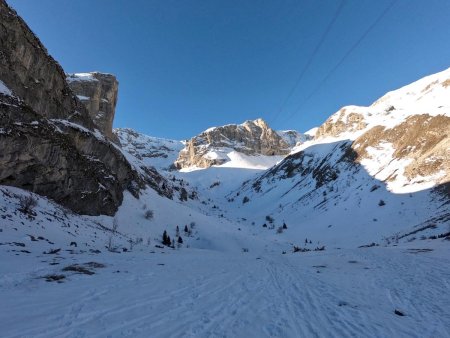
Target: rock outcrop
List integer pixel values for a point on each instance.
(347, 120)
(98, 92)
(32, 74)
(250, 138)
(47, 139)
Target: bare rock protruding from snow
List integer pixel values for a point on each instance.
(47, 139)
(415, 152)
(98, 92)
(347, 119)
(250, 138)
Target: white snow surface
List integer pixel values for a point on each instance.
(4, 89)
(83, 98)
(80, 77)
(209, 287)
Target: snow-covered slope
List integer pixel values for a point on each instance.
(429, 95)
(152, 151)
(293, 137)
(370, 172)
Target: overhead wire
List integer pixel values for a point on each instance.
(311, 58)
(342, 60)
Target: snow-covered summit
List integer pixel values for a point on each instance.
(429, 95)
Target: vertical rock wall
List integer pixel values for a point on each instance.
(98, 92)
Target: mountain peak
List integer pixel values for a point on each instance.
(251, 138)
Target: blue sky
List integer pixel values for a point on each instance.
(184, 66)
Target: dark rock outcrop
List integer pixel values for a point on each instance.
(47, 142)
(98, 92)
(32, 74)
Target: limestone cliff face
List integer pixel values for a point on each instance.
(32, 74)
(250, 138)
(98, 92)
(47, 142)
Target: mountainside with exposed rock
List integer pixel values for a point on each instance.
(251, 138)
(48, 143)
(386, 167)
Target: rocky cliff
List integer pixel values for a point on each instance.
(98, 92)
(250, 138)
(32, 74)
(47, 139)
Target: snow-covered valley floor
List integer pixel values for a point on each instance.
(153, 292)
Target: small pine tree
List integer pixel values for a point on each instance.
(284, 226)
(177, 231)
(180, 240)
(186, 228)
(166, 239)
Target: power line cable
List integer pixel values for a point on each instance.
(311, 58)
(342, 60)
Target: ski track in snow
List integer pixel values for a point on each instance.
(341, 293)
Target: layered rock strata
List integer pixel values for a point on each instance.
(250, 138)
